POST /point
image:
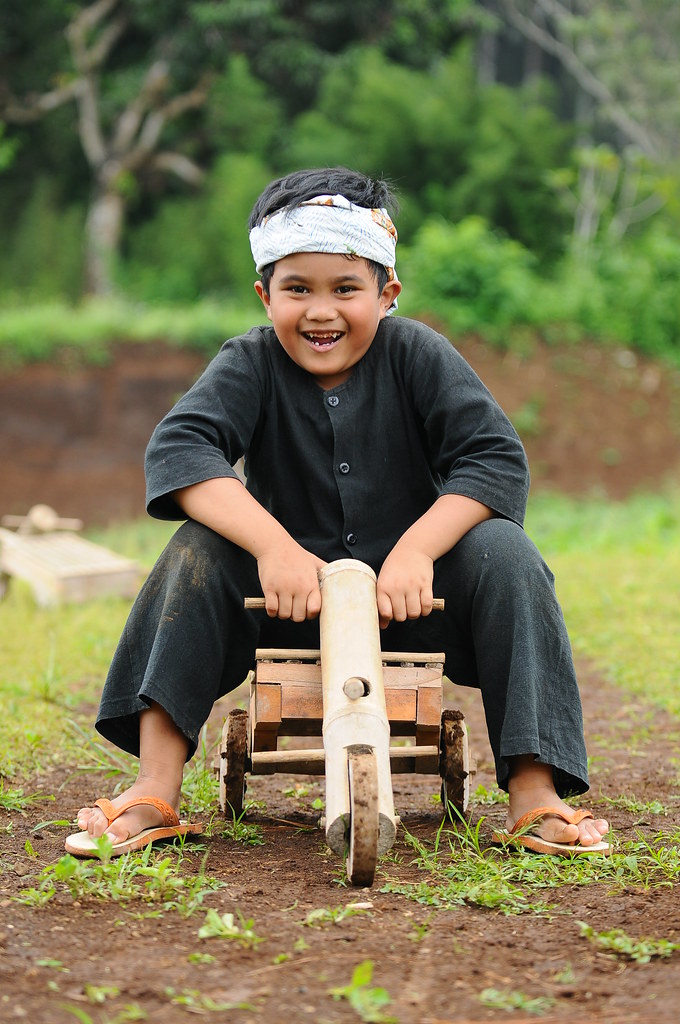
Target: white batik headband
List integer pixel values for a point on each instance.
(326, 224)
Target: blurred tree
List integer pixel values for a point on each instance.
(133, 71)
(124, 102)
(451, 146)
(623, 55)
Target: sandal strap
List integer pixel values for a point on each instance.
(572, 818)
(111, 812)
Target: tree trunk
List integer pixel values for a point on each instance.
(103, 229)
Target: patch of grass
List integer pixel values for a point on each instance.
(146, 876)
(334, 915)
(617, 942)
(617, 566)
(457, 869)
(196, 1002)
(86, 333)
(243, 831)
(506, 999)
(635, 806)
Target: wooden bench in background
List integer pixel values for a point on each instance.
(59, 565)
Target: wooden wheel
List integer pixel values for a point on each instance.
(364, 824)
(233, 757)
(454, 762)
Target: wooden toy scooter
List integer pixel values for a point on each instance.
(354, 696)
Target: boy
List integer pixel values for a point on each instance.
(365, 435)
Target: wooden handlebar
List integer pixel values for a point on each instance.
(258, 603)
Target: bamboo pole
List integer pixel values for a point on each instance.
(350, 651)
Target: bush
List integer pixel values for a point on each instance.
(42, 253)
(468, 276)
(198, 245)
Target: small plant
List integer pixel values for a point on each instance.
(635, 806)
(243, 831)
(419, 931)
(334, 915)
(225, 926)
(14, 799)
(298, 791)
(504, 999)
(98, 994)
(617, 942)
(197, 1002)
(128, 1015)
(201, 958)
(368, 1003)
(488, 797)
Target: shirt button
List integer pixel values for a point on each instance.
(344, 467)
(333, 400)
(351, 538)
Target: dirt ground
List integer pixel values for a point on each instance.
(434, 963)
(594, 421)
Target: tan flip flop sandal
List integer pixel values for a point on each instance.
(518, 836)
(81, 844)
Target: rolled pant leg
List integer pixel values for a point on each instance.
(509, 632)
(187, 640)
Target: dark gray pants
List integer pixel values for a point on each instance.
(188, 641)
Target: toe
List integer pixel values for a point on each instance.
(560, 832)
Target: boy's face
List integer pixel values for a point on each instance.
(325, 309)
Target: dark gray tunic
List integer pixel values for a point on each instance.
(345, 471)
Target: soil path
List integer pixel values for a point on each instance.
(434, 963)
(594, 420)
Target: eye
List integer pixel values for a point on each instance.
(297, 289)
(346, 289)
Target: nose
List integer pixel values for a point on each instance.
(321, 309)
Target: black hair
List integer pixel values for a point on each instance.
(289, 191)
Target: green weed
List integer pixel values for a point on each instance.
(617, 942)
(504, 999)
(128, 1015)
(456, 869)
(143, 876)
(228, 926)
(635, 806)
(197, 1002)
(334, 915)
(366, 1001)
(242, 831)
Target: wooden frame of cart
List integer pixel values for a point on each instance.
(356, 698)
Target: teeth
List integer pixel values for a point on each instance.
(323, 339)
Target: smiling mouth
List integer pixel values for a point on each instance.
(321, 341)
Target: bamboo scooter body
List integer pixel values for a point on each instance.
(354, 712)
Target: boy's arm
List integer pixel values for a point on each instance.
(288, 572)
(405, 580)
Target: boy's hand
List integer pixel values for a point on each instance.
(289, 575)
(405, 585)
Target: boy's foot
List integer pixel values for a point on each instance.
(93, 820)
(531, 787)
(587, 832)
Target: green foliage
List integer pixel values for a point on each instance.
(42, 251)
(486, 154)
(367, 1001)
(88, 332)
(199, 246)
(616, 941)
(506, 999)
(229, 926)
(467, 275)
